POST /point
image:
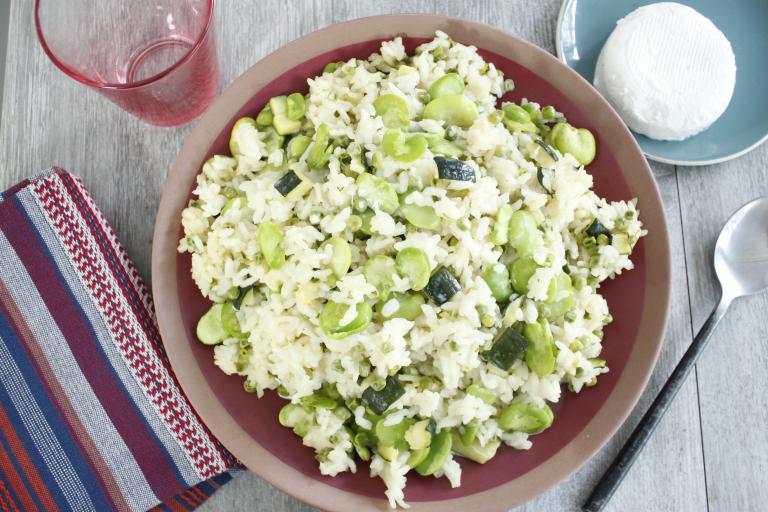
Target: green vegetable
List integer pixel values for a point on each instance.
(521, 417)
(387, 452)
(449, 84)
(546, 177)
(283, 124)
(548, 149)
(296, 417)
(417, 435)
(377, 193)
(440, 146)
(521, 271)
(229, 321)
(483, 394)
(379, 401)
(453, 110)
(264, 118)
(549, 112)
(210, 328)
(392, 435)
(241, 295)
(410, 306)
(516, 118)
(560, 293)
(295, 107)
(523, 235)
(341, 257)
(321, 150)
(469, 432)
(417, 457)
(596, 229)
(508, 347)
(319, 402)
(500, 233)
(270, 241)
(540, 355)
(292, 186)
(333, 313)
(438, 452)
(422, 217)
(579, 142)
(360, 445)
(442, 286)
(620, 241)
(330, 67)
(475, 451)
(298, 145)
(393, 110)
(378, 271)
(496, 277)
(412, 263)
(402, 147)
(454, 169)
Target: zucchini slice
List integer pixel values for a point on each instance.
(454, 169)
(380, 401)
(508, 347)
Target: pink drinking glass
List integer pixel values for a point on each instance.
(154, 58)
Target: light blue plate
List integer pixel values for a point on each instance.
(584, 25)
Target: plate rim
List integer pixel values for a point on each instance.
(656, 158)
(579, 450)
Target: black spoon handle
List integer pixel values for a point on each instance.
(629, 452)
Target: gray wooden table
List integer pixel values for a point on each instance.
(711, 450)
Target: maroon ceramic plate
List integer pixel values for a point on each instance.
(638, 299)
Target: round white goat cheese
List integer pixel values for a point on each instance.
(667, 70)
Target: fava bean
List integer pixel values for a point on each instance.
(402, 147)
(521, 271)
(393, 110)
(453, 110)
(449, 84)
(413, 264)
(496, 277)
(521, 417)
(270, 241)
(523, 234)
(540, 353)
(333, 313)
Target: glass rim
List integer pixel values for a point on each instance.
(118, 86)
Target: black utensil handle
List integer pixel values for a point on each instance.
(629, 452)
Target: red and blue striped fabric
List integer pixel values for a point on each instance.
(91, 415)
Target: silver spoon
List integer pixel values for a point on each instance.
(741, 265)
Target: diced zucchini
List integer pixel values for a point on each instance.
(264, 118)
(295, 107)
(546, 177)
(210, 328)
(284, 125)
(508, 347)
(380, 401)
(620, 241)
(549, 149)
(454, 169)
(596, 229)
(442, 286)
(475, 451)
(288, 182)
(278, 105)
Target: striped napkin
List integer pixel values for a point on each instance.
(91, 415)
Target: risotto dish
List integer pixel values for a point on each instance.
(413, 265)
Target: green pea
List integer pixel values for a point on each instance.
(333, 313)
(500, 233)
(509, 85)
(422, 217)
(449, 84)
(330, 67)
(540, 352)
(521, 271)
(378, 271)
(497, 278)
(377, 193)
(520, 417)
(402, 147)
(523, 235)
(579, 142)
(423, 97)
(393, 110)
(270, 241)
(453, 110)
(549, 112)
(413, 263)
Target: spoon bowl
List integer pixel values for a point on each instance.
(741, 252)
